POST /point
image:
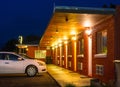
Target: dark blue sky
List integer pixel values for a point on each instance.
(25, 17)
(87, 3)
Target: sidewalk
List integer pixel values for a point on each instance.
(64, 76)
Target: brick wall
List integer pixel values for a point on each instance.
(31, 51)
(117, 33)
(84, 59)
(107, 62)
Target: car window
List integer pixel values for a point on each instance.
(13, 57)
(6, 56)
(25, 56)
(2, 57)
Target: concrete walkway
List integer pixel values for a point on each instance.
(64, 76)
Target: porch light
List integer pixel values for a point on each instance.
(74, 37)
(73, 32)
(26, 49)
(53, 48)
(56, 46)
(65, 38)
(59, 41)
(60, 45)
(65, 42)
(88, 31)
(87, 23)
(56, 30)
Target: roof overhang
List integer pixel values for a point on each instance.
(25, 45)
(67, 20)
(86, 10)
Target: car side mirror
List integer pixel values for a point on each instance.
(20, 59)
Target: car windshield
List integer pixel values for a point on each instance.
(25, 56)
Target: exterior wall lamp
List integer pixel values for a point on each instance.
(65, 42)
(56, 30)
(88, 32)
(60, 44)
(74, 37)
(53, 48)
(56, 46)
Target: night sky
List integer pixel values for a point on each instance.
(26, 17)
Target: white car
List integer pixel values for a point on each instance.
(14, 63)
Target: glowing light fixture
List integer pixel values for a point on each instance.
(88, 31)
(56, 46)
(74, 38)
(65, 42)
(59, 41)
(65, 38)
(26, 49)
(53, 48)
(87, 23)
(60, 45)
(56, 31)
(73, 32)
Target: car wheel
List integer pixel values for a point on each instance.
(31, 71)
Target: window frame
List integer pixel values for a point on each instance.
(81, 46)
(81, 41)
(15, 57)
(99, 69)
(70, 48)
(101, 42)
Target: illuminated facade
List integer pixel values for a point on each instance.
(27, 49)
(83, 40)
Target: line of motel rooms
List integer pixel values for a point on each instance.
(93, 49)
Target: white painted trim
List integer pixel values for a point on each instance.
(81, 55)
(100, 55)
(117, 61)
(69, 55)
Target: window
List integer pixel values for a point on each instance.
(102, 42)
(80, 65)
(63, 50)
(40, 54)
(2, 57)
(37, 53)
(70, 48)
(99, 69)
(12, 57)
(69, 63)
(81, 46)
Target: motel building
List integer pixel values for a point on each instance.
(84, 40)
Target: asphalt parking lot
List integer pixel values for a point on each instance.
(21, 80)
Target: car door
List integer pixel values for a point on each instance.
(2, 63)
(12, 64)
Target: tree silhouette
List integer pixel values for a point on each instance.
(10, 45)
(31, 39)
(109, 6)
(112, 6)
(105, 6)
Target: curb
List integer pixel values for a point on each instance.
(54, 79)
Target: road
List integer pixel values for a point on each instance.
(21, 80)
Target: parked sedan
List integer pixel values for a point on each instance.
(14, 63)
